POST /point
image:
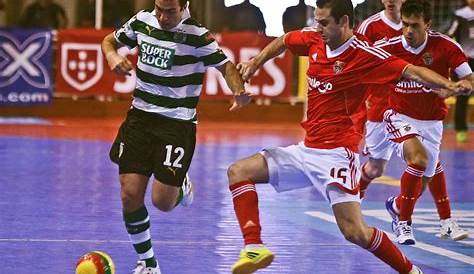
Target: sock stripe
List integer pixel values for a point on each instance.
(377, 240)
(147, 255)
(140, 237)
(243, 189)
(414, 171)
(143, 248)
(140, 222)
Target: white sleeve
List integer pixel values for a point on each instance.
(463, 70)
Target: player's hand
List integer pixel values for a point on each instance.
(240, 100)
(119, 64)
(247, 69)
(462, 87)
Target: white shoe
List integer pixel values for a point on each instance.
(389, 205)
(142, 269)
(404, 233)
(188, 195)
(450, 229)
(415, 270)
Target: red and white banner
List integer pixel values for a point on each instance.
(82, 70)
(272, 80)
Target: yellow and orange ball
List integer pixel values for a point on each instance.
(95, 262)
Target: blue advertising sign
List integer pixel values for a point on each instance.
(25, 66)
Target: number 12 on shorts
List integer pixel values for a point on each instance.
(179, 151)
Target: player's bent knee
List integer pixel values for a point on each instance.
(355, 234)
(163, 204)
(236, 172)
(420, 159)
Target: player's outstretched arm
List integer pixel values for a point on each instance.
(117, 63)
(236, 84)
(433, 80)
(275, 48)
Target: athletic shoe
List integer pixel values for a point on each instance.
(389, 205)
(142, 269)
(450, 229)
(415, 270)
(404, 233)
(188, 195)
(252, 260)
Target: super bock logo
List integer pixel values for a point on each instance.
(81, 64)
(21, 60)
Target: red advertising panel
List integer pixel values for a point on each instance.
(272, 80)
(82, 70)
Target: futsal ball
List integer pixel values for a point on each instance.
(95, 262)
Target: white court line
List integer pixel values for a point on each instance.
(420, 245)
(28, 240)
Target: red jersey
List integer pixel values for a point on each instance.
(378, 27)
(336, 85)
(439, 53)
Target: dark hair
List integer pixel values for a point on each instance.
(419, 8)
(182, 3)
(338, 8)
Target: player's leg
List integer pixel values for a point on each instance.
(460, 111)
(379, 149)
(401, 207)
(242, 176)
(449, 227)
(370, 170)
(130, 152)
(281, 167)
(172, 151)
(402, 131)
(349, 219)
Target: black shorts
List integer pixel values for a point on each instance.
(151, 143)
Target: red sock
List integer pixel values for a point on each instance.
(410, 188)
(440, 194)
(245, 200)
(382, 247)
(364, 181)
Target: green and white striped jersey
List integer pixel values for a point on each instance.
(171, 63)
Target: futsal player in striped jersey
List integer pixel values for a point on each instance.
(159, 134)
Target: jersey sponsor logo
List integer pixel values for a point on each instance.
(410, 86)
(23, 60)
(427, 58)
(81, 64)
(156, 56)
(338, 66)
(322, 87)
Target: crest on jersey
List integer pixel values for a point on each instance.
(81, 64)
(407, 128)
(338, 66)
(179, 37)
(427, 58)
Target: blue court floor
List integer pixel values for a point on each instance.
(59, 198)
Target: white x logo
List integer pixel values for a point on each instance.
(22, 59)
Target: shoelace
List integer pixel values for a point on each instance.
(406, 229)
